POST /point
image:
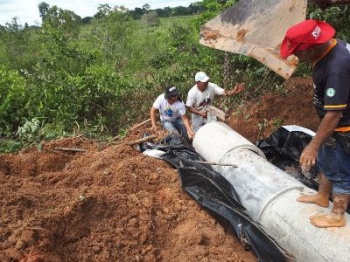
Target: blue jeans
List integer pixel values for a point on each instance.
(197, 122)
(335, 164)
(176, 126)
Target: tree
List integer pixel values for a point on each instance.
(146, 7)
(14, 26)
(86, 20)
(64, 20)
(43, 10)
(103, 11)
(137, 13)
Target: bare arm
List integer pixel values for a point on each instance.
(239, 87)
(195, 111)
(188, 126)
(153, 117)
(325, 129)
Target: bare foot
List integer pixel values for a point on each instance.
(330, 220)
(317, 199)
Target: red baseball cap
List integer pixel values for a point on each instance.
(305, 35)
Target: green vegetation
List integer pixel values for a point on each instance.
(98, 76)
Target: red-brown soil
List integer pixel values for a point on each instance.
(112, 203)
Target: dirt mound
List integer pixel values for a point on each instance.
(258, 119)
(108, 202)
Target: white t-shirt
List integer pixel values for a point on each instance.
(200, 100)
(169, 112)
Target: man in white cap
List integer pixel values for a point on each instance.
(201, 95)
(312, 41)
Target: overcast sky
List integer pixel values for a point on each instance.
(27, 11)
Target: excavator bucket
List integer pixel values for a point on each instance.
(256, 28)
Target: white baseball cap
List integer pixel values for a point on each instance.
(202, 77)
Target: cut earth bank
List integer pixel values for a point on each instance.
(115, 204)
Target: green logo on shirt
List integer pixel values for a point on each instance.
(330, 92)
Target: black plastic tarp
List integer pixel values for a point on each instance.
(283, 149)
(214, 193)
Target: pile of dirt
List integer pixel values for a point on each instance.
(258, 119)
(111, 203)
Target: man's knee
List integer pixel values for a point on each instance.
(169, 126)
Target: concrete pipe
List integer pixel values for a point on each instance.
(269, 195)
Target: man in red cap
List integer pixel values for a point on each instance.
(312, 41)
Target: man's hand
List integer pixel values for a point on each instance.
(197, 112)
(308, 157)
(190, 134)
(239, 87)
(203, 114)
(328, 123)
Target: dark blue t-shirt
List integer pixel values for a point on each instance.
(331, 76)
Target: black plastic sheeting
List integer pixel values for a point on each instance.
(283, 149)
(218, 196)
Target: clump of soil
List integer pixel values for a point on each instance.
(108, 202)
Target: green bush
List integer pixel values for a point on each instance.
(13, 100)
